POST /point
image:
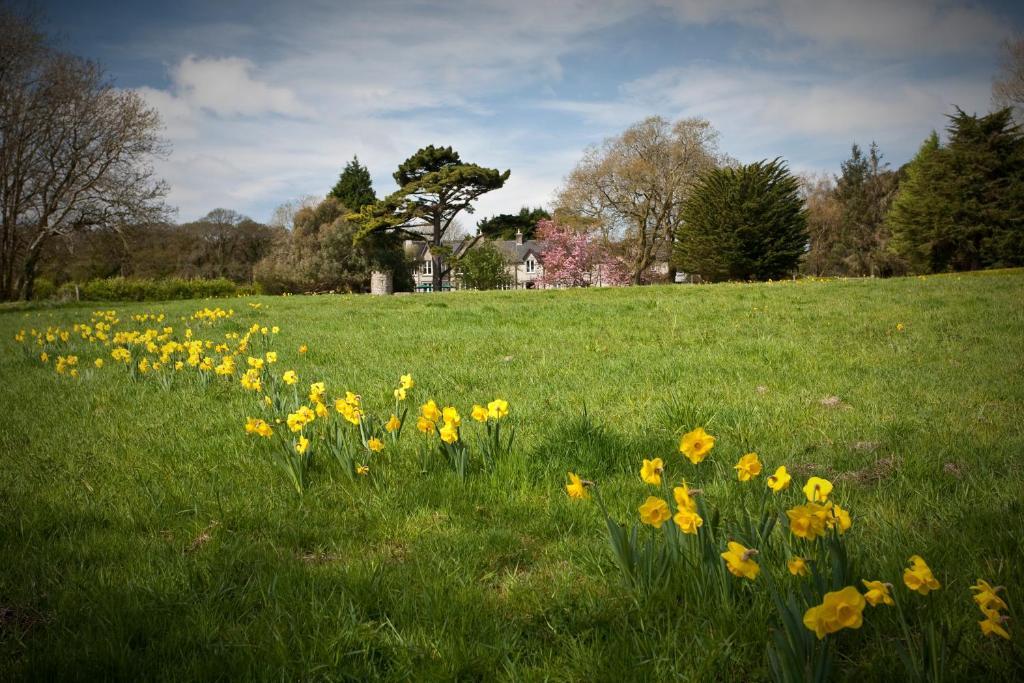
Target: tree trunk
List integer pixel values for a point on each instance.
(28, 273)
(436, 278)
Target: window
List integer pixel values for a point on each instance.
(428, 267)
(531, 265)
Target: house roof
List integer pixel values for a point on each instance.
(517, 253)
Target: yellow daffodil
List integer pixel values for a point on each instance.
(44, 357)
(375, 445)
(405, 381)
(362, 470)
(780, 480)
(275, 329)
(840, 609)
(808, 521)
(684, 498)
(651, 471)
(992, 624)
(98, 363)
(497, 409)
(918, 577)
(303, 348)
(696, 445)
(817, 489)
(841, 519)
(424, 425)
(321, 409)
(271, 357)
(451, 416)
(655, 512)
(121, 354)
(479, 413)
(739, 563)
(449, 433)
(986, 597)
(317, 391)
(748, 467)
(251, 380)
(797, 566)
(878, 593)
(290, 377)
(393, 423)
(254, 425)
(302, 445)
(430, 411)
(399, 394)
(300, 418)
(688, 521)
(576, 488)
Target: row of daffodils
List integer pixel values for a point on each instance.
(796, 547)
(299, 427)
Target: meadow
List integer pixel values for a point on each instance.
(145, 535)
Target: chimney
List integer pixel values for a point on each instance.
(519, 237)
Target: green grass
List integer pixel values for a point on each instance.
(145, 536)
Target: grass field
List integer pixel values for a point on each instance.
(145, 536)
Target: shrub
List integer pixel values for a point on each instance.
(144, 289)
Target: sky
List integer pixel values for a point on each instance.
(265, 102)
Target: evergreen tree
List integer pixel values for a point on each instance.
(435, 186)
(864, 189)
(744, 223)
(921, 218)
(354, 188)
(504, 226)
(963, 207)
(986, 186)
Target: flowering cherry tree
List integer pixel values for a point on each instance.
(568, 256)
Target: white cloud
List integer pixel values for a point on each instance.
(227, 87)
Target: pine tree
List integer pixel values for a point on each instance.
(864, 189)
(963, 207)
(986, 185)
(920, 217)
(745, 223)
(354, 188)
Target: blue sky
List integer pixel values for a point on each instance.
(264, 102)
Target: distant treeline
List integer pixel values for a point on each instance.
(223, 244)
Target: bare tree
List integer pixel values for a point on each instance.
(75, 152)
(634, 185)
(1008, 87)
(284, 214)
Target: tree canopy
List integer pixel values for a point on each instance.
(354, 188)
(505, 226)
(634, 185)
(435, 186)
(76, 152)
(962, 207)
(744, 223)
(484, 267)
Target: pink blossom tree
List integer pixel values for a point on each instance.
(569, 255)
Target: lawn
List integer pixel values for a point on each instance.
(146, 536)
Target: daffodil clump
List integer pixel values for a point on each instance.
(796, 549)
(446, 424)
(315, 422)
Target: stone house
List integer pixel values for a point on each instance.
(524, 263)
